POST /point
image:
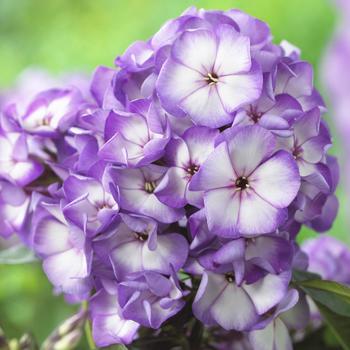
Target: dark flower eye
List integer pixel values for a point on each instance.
(242, 183)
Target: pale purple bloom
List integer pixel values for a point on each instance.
(16, 164)
(309, 142)
(150, 298)
(132, 138)
(265, 253)
(316, 204)
(51, 112)
(209, 75)
(108, 324)
(184, 156)
(138, 188)
(249, 179)
(218, 295)
(275, 114)
(66, 253)
(138, 237)
(91, 205)
(14, 203)
(275, 334)
(329, 258)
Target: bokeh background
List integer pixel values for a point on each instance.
(78, 35)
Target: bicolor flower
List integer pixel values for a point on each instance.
(150, 298)
(108, 324)
(309, 142)
(132, 139)
(272, 113)
(247, 184)
(137, 236)
(51, 112)
(16, 164)
(66, 253)
(90, 203)
(14, 203)
(185, 155)
(138, 188)
(220, 301)
(209, 75)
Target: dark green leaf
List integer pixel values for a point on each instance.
(18, 254)
(340, 325)
(330, 294)
(299, 276)
(328, 286)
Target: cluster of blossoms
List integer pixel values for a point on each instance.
(181, 177)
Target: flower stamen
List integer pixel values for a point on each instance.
(242, 183)
(150, 186)
(192, 169)
(230, 278)
(141, 236)
(212, 78)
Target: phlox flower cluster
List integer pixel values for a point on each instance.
(174, 186)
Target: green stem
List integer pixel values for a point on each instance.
(87, 328)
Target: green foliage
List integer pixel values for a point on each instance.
(333, 302)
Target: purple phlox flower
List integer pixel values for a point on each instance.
(14, 203)
(33, 80)
(102, 88)
(309, 142)
(138, 188)
(329, 258)
(91, 205)
(275, 334)
(78, 154)
(269, 253)
(16, 164)
(108, 325)
(252, 182)
(290, 50)
(150, 298)
(229, 340)
(185, 155)
(316, 204)
(272, 114)
(134, 245)
(66, 253)
(198, 79)
(218, 295)
(132, 138)
(257, 31)
(137, 57)
(52, 112)
(295, 78)
(130, 86)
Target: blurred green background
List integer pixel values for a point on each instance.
(66, 35)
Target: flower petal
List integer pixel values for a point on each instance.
(277, 180)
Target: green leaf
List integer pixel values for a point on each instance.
(333, 295)
(18, 254)
(340, 325)
(299, 276)
(329, 286)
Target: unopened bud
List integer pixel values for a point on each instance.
(3, 341)
(67, 335)
(27, 342)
